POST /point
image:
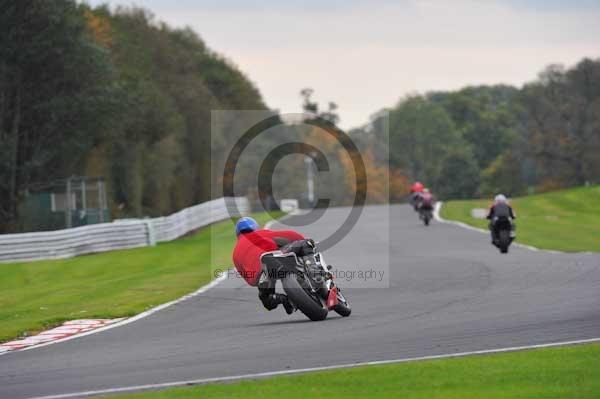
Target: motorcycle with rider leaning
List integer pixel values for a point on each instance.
(263, 257)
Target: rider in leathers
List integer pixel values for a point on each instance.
(500, 208)
(252, 243)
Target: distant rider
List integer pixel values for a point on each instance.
(252, 243)
(499, 209)
(416, 190)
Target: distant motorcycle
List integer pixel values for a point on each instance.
(426, 214)
(503, 233)
(308, 283)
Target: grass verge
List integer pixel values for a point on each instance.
(39, 295)
(566, 220)
(566, 372)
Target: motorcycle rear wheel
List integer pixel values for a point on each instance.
(504, 241)
(299, 293)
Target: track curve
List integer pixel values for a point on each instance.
(449, 291)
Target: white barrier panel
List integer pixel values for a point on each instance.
(131, 233)
(478, 213)
(289, 205)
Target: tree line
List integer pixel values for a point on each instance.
(488, 139)
(115, 94)
(94, 92)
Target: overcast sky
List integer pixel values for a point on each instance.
(367, 55)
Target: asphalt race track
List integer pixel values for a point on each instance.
(450, 291)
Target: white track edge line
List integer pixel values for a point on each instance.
(439, 218)
(110, 391)
(272, 222)
(137, 317)
(269, 224)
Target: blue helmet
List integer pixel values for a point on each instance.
(246, 225)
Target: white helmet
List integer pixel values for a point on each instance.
(500, 198)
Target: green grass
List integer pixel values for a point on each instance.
(567, 372)
(567, 220)
(38, 295)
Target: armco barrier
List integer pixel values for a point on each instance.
(117, 235)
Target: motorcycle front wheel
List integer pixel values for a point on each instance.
(342, 308)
